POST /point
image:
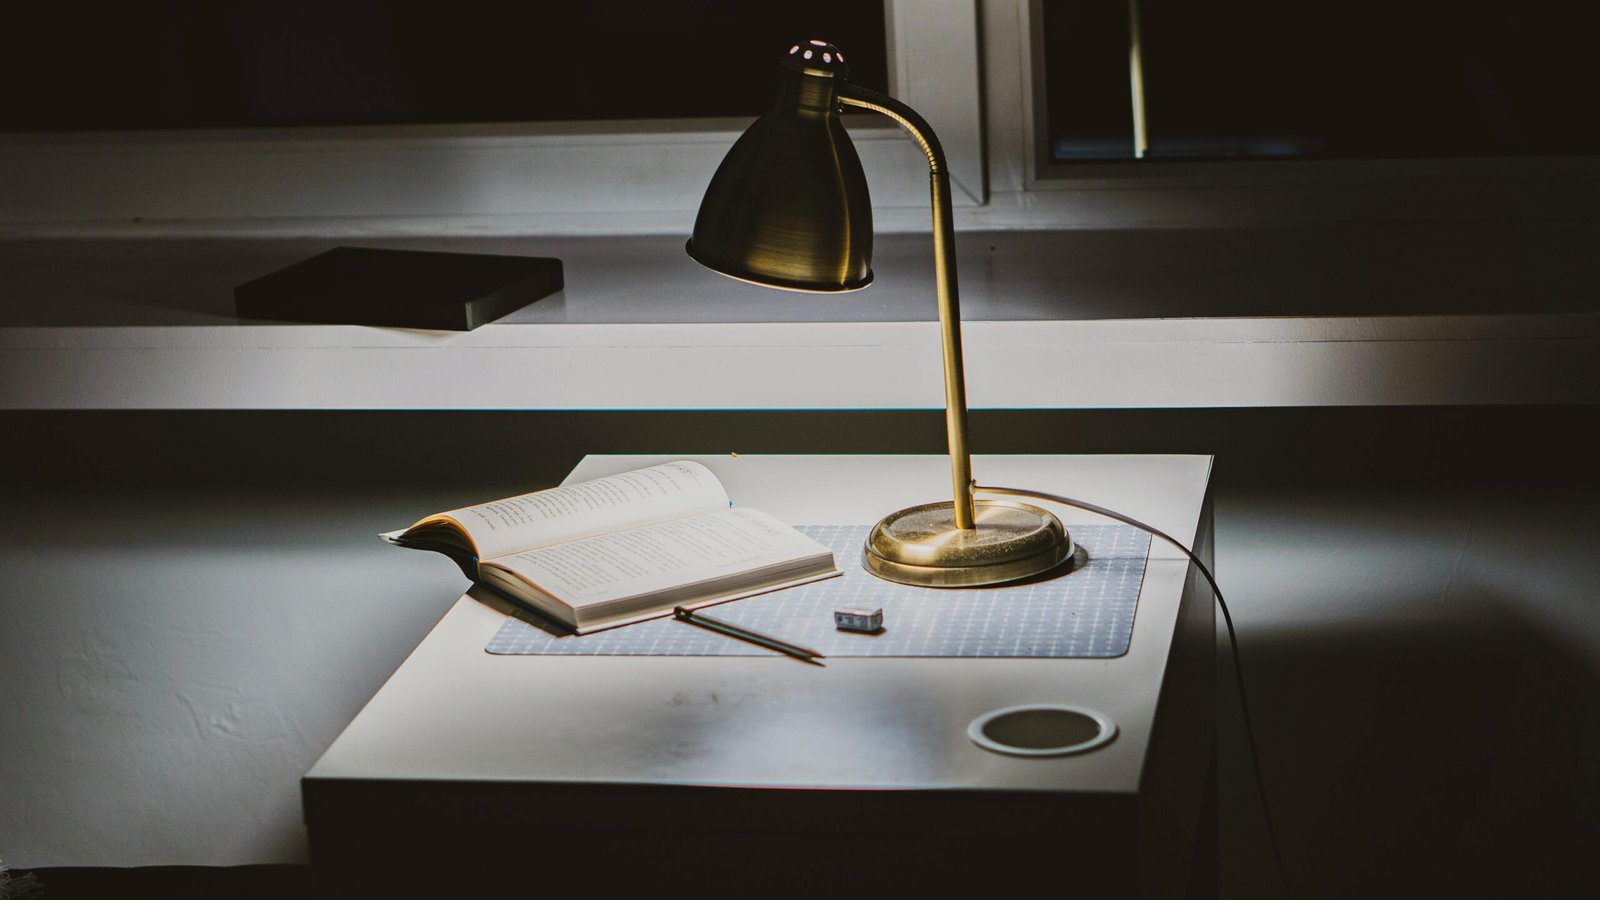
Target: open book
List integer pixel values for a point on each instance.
(623, 548)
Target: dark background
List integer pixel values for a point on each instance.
(195, 64)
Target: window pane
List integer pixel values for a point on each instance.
(348, 62)
(1086, 66)
(1264, 78)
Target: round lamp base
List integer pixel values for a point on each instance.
(922, 545)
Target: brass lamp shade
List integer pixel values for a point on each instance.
(789, 206)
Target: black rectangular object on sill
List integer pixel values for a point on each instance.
(399, 288)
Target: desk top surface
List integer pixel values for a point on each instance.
(455, 713)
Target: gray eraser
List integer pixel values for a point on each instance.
(860, 619)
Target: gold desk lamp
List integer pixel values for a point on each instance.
(788, 208)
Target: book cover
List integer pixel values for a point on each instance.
(399, 288)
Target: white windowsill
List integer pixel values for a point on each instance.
(1407, 315)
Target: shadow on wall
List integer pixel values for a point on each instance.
(1450, 762)
(1429, 720)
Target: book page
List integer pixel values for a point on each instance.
(661, 556)
(558, 515)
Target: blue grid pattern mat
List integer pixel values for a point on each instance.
(1087, 612)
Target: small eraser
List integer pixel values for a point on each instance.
(861, 619)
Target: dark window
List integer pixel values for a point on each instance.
(149, 65)
(1352, 79)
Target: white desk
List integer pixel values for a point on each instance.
(466, 753)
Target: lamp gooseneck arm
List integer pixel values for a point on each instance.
(944, 260)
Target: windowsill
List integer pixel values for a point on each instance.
(1373, 315)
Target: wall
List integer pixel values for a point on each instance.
(193, 605)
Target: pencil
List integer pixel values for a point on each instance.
(804, 654)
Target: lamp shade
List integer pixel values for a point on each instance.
(789, 207)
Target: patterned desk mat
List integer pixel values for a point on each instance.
(1087, 612)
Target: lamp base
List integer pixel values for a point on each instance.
(922, 545)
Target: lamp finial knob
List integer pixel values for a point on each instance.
(816, 58)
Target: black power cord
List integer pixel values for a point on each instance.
(1233, 641)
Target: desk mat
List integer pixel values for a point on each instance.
(1087, 612)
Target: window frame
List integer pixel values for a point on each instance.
(969, 66)
(1156, 193)
(605, 176)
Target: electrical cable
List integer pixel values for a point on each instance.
(1227, 618)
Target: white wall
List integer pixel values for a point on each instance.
(184, 630)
